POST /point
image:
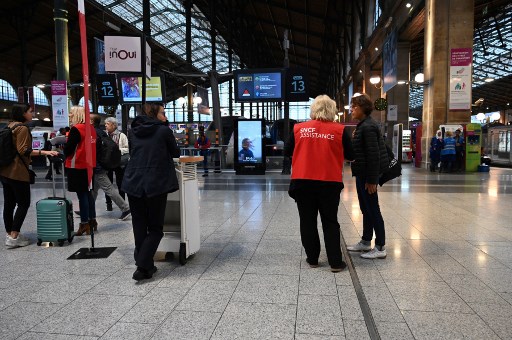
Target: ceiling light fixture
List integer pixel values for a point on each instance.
(408, 5)
(488, 79)
(113, 26)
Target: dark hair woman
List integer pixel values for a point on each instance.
(371, 159)
(15, 177)
(148, 178)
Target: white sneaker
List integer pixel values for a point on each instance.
(375, 254)
(16, 242)
(360, 246)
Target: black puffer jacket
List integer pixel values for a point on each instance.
(371, 157)
(150, 171)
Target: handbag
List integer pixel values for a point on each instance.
(394, 169)
(124, 160)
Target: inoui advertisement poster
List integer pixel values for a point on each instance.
(122, 54)
(60, 108)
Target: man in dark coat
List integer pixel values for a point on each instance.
(149, 177)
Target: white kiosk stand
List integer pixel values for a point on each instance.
(181, 223)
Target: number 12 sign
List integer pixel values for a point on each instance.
(106, 87)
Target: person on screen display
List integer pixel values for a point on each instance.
(246, 155)
(131, 88)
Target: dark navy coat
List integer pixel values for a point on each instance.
(150, 171)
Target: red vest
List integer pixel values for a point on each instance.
(78, 160)
(318, 153)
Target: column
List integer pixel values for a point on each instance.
(449, 24)
(399, 94)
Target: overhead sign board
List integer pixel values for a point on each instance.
(106, 88)
(297, 85)
(123, 54)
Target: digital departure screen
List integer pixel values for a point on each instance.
(255, 85)
(106, 88)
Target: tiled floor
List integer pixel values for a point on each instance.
(448, 274)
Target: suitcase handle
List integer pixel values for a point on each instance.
(57, 160)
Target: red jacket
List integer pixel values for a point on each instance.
(318, 153)
(202, 143)
(78, 160)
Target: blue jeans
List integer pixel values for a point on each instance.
(372, 217)
(87, 206)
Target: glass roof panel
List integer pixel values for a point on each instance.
(492, 53)
(168, 29)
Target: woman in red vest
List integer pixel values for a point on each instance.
(76, 164)
(318, 149)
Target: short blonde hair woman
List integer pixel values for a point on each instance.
(323, 108)
(77, 164)
(318, 149)
(77, 115)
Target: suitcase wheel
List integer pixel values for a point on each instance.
(182, 254)
(39, 242)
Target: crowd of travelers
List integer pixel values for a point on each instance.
(318, 149)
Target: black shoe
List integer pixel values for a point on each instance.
(124, 215)
(205, 175)
(109, 206)
(340, 268)
(143, 274)
(312, 264)
(48, 177)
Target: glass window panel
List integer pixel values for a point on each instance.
(7, 91)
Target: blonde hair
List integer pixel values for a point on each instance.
(77, 115)
(323, 108)
(449, 133)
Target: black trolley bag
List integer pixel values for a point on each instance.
(55, 214)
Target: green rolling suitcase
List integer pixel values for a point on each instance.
(55, 216)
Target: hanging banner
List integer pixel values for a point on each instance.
(85, 74)
(60, 108)
(203, 107)
(123, 54)
(389, 61)
(460, 78)
(99, 54)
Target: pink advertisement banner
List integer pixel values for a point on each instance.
(461, 56)
(59, 88)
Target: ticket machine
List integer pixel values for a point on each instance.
(473, 141)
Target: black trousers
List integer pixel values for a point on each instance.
(324, 199)
(15, 193)
(119, 171)
(148, 223)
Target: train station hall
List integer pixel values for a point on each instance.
(262, 169)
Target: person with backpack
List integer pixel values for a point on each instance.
(16, 144)
(101, 180)
(76, 168)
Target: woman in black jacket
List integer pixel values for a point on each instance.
(148, 178)
(371, 159)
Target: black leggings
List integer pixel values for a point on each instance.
(15, 193)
